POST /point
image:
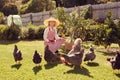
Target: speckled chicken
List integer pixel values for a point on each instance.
(17, 54)
(37, 58)
(74, 57)
(90, 55)
(115, 61)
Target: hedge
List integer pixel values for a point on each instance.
(32, 32)
(29, 32)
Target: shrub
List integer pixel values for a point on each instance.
(74, 23)
(24, 33)
(29, 32)
(2, 29)
(1, 17)
(32, 32)
(40, 32)
(11, 33)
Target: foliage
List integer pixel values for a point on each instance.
(40, 32)
(10, 9)
(62, 16)
(29, 32)
(1, 17)
(2, 3)
(101, 34)
(11, 33)
(74, 23)
(37, 6)
(32, 32)
(25, 1)
(2, 29)
(106, 35)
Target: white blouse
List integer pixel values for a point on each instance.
(45, 35)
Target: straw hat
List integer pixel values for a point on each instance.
(46, 22)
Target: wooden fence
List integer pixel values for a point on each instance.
(98, 13)
(38, 18)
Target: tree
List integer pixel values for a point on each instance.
(74, 23)
(10, 9)
(59, 3)
(25, 1)
(2, 3)
(37, 6)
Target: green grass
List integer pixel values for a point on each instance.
(100, 69)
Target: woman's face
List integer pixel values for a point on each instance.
(52, 23)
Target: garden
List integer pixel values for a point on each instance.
(104, 37)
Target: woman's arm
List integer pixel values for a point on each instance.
(45, 35)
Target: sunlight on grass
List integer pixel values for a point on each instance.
(99, 69)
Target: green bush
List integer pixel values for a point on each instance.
(24, 33)
(2, 29)
(32, 32)
(1, 17)
(74, 23)
(11, 33)
(40, 32)
(29, 32)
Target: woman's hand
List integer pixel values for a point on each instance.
(47, 40)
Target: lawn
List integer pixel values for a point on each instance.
(99, 69)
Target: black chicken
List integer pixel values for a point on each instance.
(115, 62)
(37, 58)
(74, 57)
(49, 56)
(17, 54)
(90, 55)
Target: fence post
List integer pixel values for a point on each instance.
(31, 18)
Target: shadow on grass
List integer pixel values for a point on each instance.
(92, 64)
(49, 66)
(36, 69)
(17, 66)
(105, 53)
(78, 70)
(117, 74)
(8, 42)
